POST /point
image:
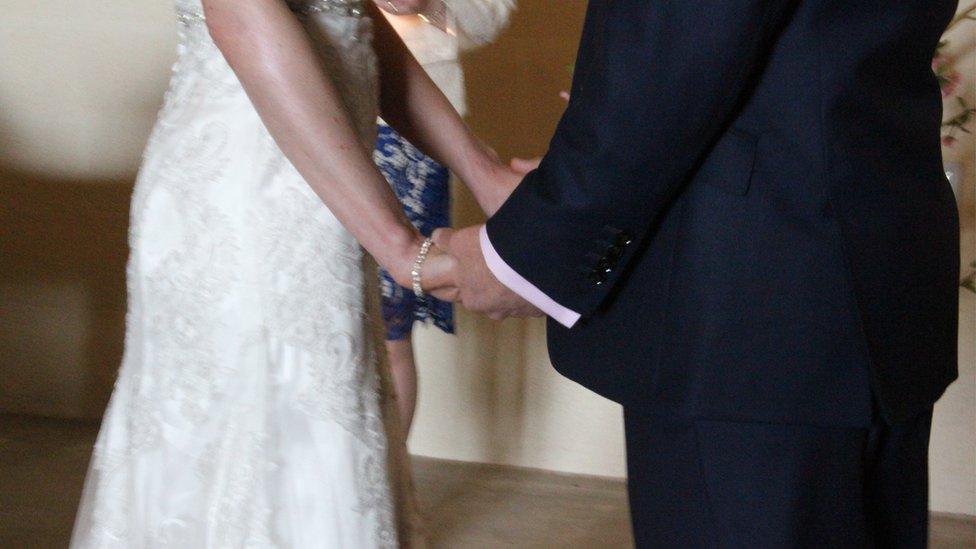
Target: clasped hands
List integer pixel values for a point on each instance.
(456, 270)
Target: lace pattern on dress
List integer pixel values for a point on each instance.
(224, 230)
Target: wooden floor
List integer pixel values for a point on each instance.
(470, 505)
(42, 466)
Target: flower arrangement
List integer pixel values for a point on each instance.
(949, 80)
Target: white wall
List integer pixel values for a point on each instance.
(81, 82)
(490, 395)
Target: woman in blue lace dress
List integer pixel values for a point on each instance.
(435, 32)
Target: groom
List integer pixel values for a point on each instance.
(742, 232)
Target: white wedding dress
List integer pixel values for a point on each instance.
(247, 409)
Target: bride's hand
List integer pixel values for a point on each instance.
(437, 272)
(506, 181)
(525, 165)
(496, 181)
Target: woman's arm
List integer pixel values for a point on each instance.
(275, 61)
(413, 105)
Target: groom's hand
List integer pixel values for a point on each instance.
(438, 275)
(477, 289)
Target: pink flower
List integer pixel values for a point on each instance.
(948, 141)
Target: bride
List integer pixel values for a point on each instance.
(247, 409)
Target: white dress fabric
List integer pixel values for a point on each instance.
(247, 409)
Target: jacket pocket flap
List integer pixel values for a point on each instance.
(730, 163)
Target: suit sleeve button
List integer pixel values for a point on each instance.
(597, 278)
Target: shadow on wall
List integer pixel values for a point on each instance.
(513, 94)
(62, 292)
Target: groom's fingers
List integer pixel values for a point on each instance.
(442, 238)
(439, 271)
(449, 294)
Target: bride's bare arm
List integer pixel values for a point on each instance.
(275, 62)
(413, 105)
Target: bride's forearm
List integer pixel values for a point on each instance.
(299, 104)
(414, 106)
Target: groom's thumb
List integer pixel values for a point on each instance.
(523, 166)
(442, 238)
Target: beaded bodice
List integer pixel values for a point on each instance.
(193, 9)
(340, 30)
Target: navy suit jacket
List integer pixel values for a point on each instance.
(746, 201)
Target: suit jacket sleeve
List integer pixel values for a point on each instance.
(656, 82)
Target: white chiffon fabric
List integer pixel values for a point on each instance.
(247, 411)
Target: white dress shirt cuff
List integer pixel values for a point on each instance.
(518, 284)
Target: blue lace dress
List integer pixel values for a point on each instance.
(423, 187)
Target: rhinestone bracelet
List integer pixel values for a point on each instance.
(418, 264)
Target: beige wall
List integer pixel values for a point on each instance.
(78, 95)
(80, 85)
